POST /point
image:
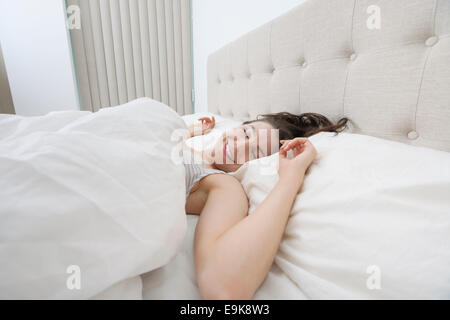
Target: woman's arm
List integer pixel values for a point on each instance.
(233, 251)
(233, 263)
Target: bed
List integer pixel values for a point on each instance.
(384, 234)
(91, 205)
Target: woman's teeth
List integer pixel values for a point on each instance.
(227, 149)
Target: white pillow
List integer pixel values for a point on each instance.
(372, 221)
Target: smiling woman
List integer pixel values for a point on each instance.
(233, 251)
(260, 138)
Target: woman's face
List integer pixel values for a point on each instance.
(244, 143)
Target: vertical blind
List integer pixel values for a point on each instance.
(127, 49)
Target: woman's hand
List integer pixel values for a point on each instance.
(204, 127)
(294, 169)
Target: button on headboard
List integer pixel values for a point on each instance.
(327, 56)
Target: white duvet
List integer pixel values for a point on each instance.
(372, 221)
(88, 202)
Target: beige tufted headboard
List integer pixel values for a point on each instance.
(392, 82)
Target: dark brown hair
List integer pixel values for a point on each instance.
(305, 125)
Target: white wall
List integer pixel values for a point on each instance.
(217, 22)
(38, 56)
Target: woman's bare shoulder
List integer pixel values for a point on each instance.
(219, 180)
(200, 192)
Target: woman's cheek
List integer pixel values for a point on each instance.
(242, 153)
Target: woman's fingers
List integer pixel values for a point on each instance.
(205, 119)
(208, 122)
(298, 149)
(284, 143)
(289, 145)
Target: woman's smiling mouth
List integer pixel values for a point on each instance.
(226, 151)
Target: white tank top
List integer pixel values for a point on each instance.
(196, 172)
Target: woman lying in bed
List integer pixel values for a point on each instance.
(233, 250)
